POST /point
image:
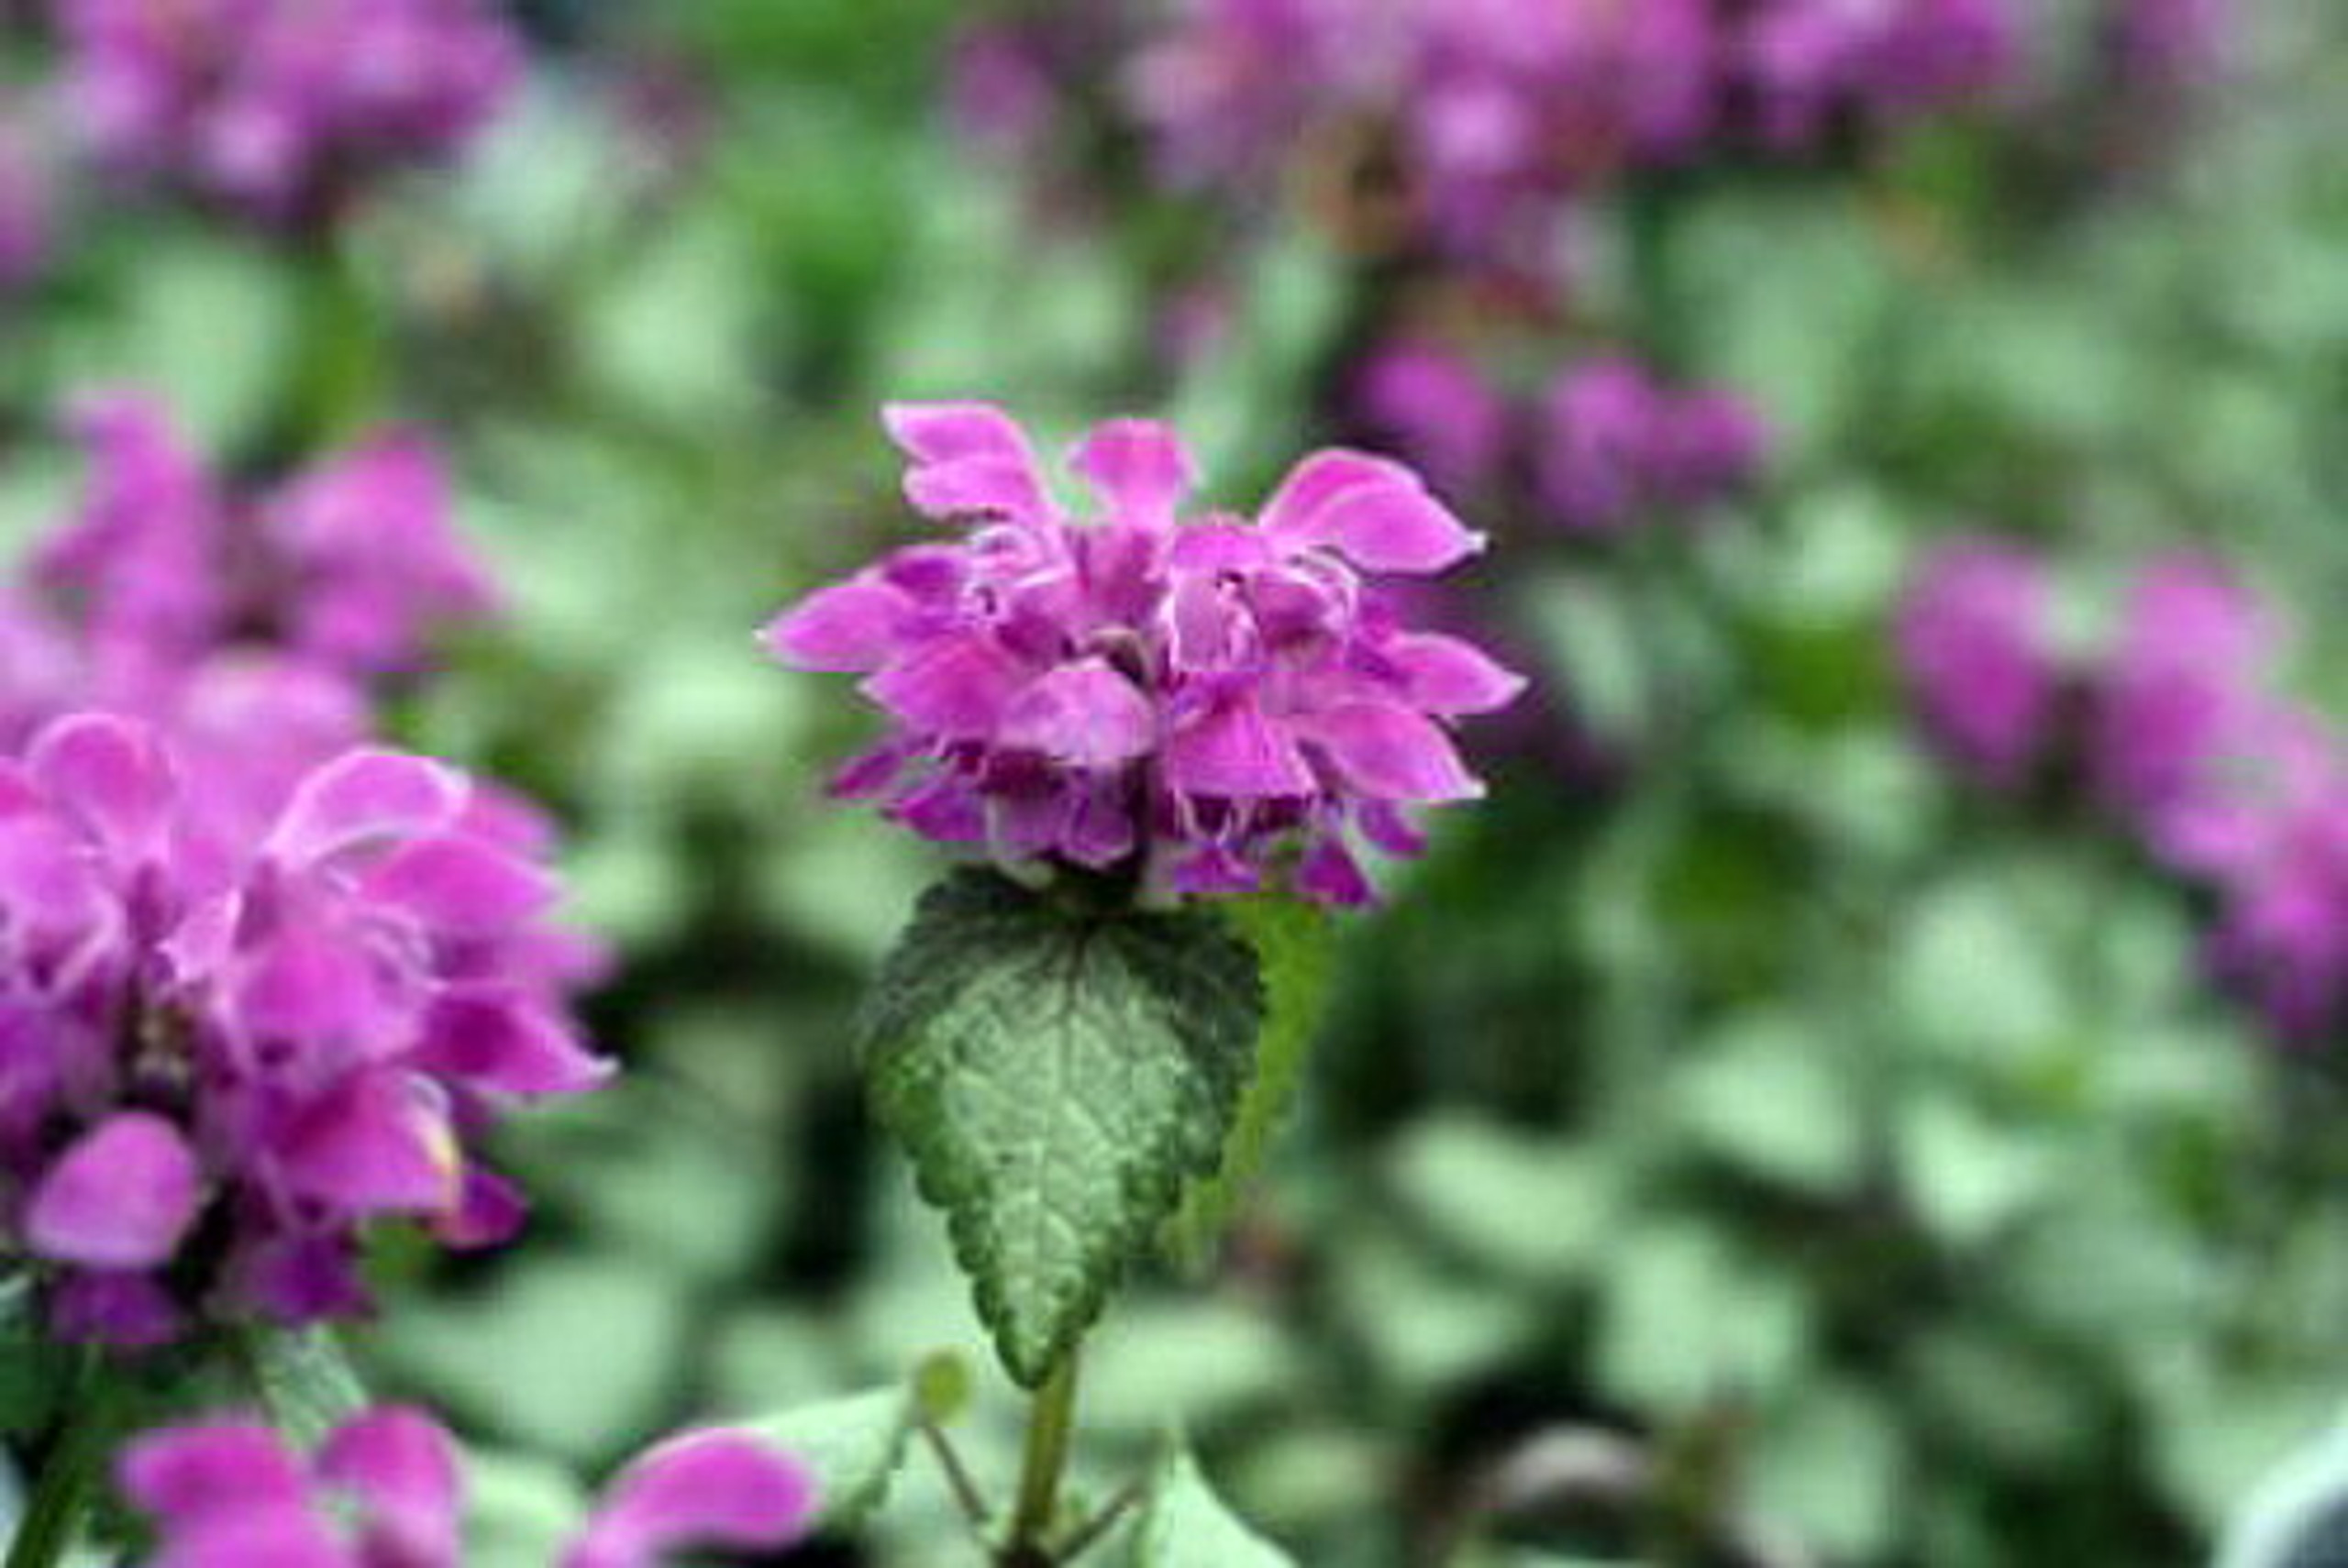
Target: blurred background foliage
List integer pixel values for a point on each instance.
(1741, 1126)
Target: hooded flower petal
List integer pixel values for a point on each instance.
(1449, 675)
(852, 627)
(364, 797)
(1390, 753)
(1235, 751)
(712, 1488)
(1084, 714)
(461, 885)
(403, 1467)
(1139, 467)
(374, 1143)
(121, 1198)
(188, 1474)
(958, 687)
(111, 773)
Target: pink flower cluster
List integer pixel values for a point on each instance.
(170, 595)
(1192, 697)
(1499, 110)
(1606, 447)
(221, 1054)
(2187, 739)
(279, 105)
(261, 982)
(386, 1490)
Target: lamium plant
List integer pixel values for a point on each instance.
(1164, 740)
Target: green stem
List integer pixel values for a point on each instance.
(1051, 1426)
(70, 1473)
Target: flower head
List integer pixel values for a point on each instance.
(277, 104)
(386, 1490)
(2181, 695)
(1191, 695)
(1617, 446)
(1436, 408)
(348, 565)
(225, 1051)
(1974, 650)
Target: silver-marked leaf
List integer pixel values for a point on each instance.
(1296, 949)
(518, 1510)
(854, 1446)
(301, 1378)
(1185, 1525)
(1058, 1073)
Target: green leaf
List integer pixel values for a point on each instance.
(1185, 1525)
(2299, 1514)
(518, 1511)
(1296, 951)
(301, 1378)
(1057, 1074)
(854, 1447)
(34, 1369)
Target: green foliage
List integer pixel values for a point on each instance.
(1184, 1525)
(1295, 952)
(853, 1446)
(300, 1378)
(1057, 1073)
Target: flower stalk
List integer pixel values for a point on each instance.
(1051, 1427)
(71, 1471)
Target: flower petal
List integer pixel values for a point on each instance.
(504, 1044)
(1139, 467)
(185, 1474)
(461, 884)
(364, 797)
(1084, 714)
(1319, 480)
(977, 487)
(712, 1488)
(1398, 526)
(110, 772)
(121, 1198)
(957, 688)
(1448, 675)
(1330, 875)
(944, 432)
(402, 1466)
(851, 627)
(374, 1143)
(1389, 752)
(1234, 751)
(305, 986)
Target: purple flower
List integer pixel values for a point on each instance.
(2181, 700)
(2168, 47)
(1616, 447)
(1512, 105)
(350, 565)
(1189, 696)
(1002, 89)
(221, 1056)
(1238, 79)
(386, 1490)
(279, 104)
(2282, 933)
(1974, 650)
(1804, 64)
(1433, 408)
(369, 556)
